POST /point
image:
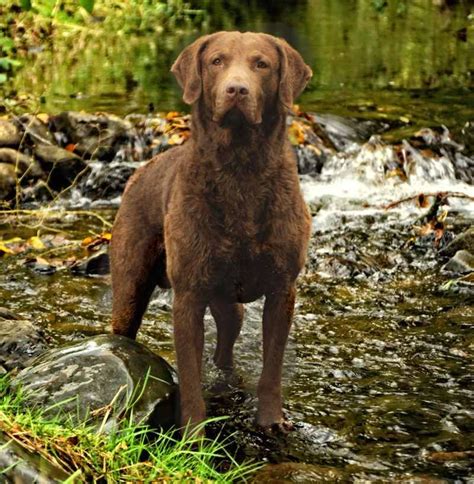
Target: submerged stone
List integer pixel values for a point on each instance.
(98, 379)
(298, 472)
(20, 340)
(461, 263)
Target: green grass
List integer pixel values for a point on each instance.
(127, 454)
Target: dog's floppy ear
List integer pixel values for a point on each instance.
(187, 69)
(294, 73)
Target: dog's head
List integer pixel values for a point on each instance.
(239, 76)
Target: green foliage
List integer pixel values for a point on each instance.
(88, 5)
(125, 454)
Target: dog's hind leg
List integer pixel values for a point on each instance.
(277, 318)
(228, 318)
(137, 267)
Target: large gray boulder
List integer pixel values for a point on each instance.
(98, 378)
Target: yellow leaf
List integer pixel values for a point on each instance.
(442, 216)
(172, 114)
(36, 243)
(13, 240)
(296, 133)
(107, 236)
(176, 139)
(43, 117)
(4, 249)
(87, 241)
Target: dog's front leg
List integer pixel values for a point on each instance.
(188, 314)
(277, 316)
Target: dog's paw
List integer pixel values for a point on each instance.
(283, 427)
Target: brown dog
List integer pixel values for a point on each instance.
(220, 219)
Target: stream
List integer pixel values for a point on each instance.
(378, 376)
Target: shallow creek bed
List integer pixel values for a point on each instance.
(378, 372)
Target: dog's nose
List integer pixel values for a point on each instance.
(233, 89)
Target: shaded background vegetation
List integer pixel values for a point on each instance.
(117, 57)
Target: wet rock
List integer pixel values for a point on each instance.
(107, 180)
(62, 165)
(5, 313)
(9, 134)
(27, 166)
(40, 266)
(343, 132)
(19, 466)
(35, 130)
(8, 177)
(96, 265)
(461, 263)
(39, 192)
(298, 472)
(20, 340)
(467, 137)
(463, 241)
(309, 159)
(95, 136)
(90, 375)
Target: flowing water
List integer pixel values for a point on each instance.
(379, 366)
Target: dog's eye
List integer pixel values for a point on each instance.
(217, 62)
(262, 65)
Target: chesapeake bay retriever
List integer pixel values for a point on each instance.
(220, 219)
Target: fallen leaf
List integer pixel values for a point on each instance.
(92, 242)
(172, 114)
(4, 249)
(36, 243)
(296, 133)
(43, 117)
(176, 139)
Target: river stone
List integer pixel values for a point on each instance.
(463, 241)
(20, 340)
(298, 472)
(24, 162)
(107, 180)
(9, 134)
(36, 131)
(39, 192)
(62, 165)
(95, 135)
(96, 265)
(90, 375)
(461, 263)
(8, 178)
